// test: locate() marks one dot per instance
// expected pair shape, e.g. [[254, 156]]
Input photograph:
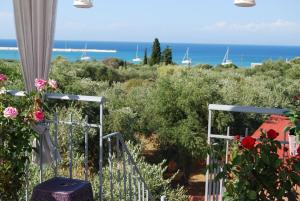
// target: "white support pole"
[[163, 198], [208, 156], [101, 153]]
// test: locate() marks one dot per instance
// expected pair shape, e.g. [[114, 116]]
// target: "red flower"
[[237, 137], [296, 98], [272, 134], [285, 149], [39, 115], [298, 150], [248, 142]]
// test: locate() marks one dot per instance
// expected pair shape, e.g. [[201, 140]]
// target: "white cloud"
[[277, 25]]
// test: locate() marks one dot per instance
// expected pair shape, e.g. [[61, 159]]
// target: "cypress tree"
[[167, 56], [145, 62], [156, 53]]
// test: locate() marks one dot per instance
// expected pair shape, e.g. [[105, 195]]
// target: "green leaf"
[[295, 177], [252, 195]]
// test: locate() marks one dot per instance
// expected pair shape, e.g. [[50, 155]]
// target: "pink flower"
[[38, 115], [10, 113], [3, 77], [53, 84], [40, 84]]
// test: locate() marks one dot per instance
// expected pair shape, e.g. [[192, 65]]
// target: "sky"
[[270, 22]]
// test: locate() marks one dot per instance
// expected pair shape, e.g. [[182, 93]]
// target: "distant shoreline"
[[62, 50], [172, 42], [212, 54]]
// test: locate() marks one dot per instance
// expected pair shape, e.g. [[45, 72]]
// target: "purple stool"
[[63, 189]]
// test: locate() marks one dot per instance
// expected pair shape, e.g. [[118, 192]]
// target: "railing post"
[[246, 132], [101, 153], [208, 156], [55, 143], [130, 179], [118, 167], [41, 157], [134, 183], [71, 147], [147, 195], [124, 167], [110, 170], [86, 149], [26, 177], [139, 190], [143, 191], [163, 198]]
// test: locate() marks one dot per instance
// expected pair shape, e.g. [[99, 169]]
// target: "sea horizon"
[[200, 53]]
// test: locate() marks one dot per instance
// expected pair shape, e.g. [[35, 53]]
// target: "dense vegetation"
[[171, 102]]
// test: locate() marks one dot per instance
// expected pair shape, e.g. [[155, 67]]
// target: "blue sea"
[[241, 55]]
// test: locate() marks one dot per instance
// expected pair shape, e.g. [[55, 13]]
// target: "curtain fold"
[[35, 25]]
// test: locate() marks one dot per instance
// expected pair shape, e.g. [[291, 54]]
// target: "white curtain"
[[35, 24]]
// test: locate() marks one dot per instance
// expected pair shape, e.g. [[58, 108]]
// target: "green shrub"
[[113, 62]]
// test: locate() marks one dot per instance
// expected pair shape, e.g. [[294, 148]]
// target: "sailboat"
[[83, 3], [137, 58], [67, 49], [226, 60], [186, 60], [84, 56]]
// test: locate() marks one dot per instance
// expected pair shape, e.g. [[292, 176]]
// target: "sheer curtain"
[[35, 24]]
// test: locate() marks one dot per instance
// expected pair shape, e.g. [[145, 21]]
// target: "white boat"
[[84, 56], [253, 65], [226, 60], [66, 49], [244, 3], [83, 3], [186, 59], [137, 58]]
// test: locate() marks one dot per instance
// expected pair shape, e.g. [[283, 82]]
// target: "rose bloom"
[[38, 115], [3, 77], [10, 113], [40, 84], [298, 150], [272, 134], [248, 142], [237, 137], [53, 84]]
